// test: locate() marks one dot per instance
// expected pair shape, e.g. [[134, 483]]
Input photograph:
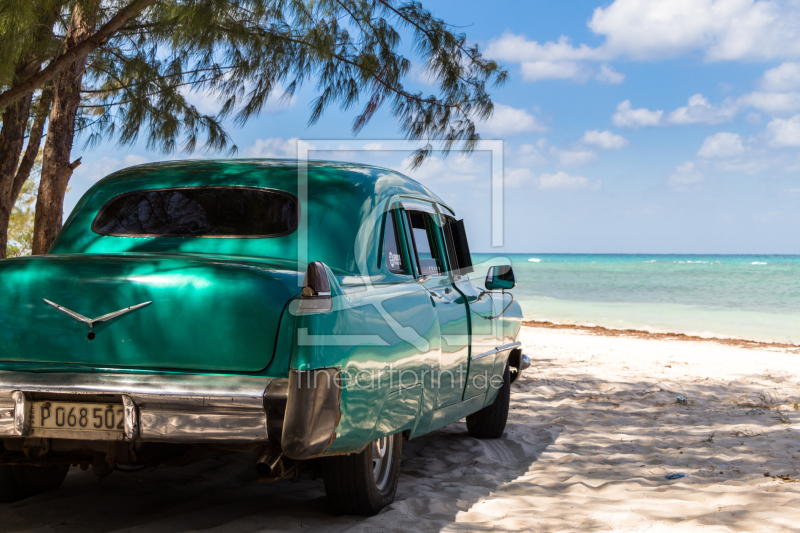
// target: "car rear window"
[[199, 212]]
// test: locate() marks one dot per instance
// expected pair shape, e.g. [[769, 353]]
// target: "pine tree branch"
[[372, 74], [99, 38], [151, 80]]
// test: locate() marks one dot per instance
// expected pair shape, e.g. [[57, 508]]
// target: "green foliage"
[[243, 51], [21, 33]]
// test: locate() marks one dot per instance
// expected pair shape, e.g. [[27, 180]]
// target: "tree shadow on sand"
[[579, 453], [442, 474]]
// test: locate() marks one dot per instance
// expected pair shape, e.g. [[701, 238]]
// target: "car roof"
[[340, 198], [280, 174]]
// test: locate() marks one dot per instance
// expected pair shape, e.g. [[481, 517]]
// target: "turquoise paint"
[[230, 305]]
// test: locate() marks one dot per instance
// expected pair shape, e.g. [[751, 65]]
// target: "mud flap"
[[312, 412]]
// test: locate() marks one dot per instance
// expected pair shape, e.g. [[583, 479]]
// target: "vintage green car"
[[314, 314]]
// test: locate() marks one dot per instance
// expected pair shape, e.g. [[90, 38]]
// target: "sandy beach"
[[594, 429]]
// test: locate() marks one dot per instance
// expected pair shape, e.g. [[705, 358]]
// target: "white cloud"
[[374, 147], [785, 77], [275, 147], [555, 70], [784, 132], [529, 154], [507, 120], [518, 177], [605, 139], [722, 29], [553, 60], [572, 158], [722, 145], [562, 180], [607, 74], [772, 103], [628, 117], [685, 174], [209, 102], [643, 30], [518, 48], [699, 111], [458, 168], [107, 165]]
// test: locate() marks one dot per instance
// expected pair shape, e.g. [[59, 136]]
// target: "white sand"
[[593, 431]]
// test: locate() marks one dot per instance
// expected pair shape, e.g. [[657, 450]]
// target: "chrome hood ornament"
[[92, 321]]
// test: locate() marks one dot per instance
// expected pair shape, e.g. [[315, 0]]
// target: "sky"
[[632, 126]]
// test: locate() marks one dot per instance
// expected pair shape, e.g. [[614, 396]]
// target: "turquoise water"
[[743, 296]]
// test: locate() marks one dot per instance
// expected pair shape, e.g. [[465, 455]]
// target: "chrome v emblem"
[[92, 321]]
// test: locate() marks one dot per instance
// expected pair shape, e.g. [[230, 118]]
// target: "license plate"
[[76, 416]]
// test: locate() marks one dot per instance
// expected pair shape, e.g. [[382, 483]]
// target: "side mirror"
[[500, 278]]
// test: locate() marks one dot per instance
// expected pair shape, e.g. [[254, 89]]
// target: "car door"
[[423, 223], [484, 337]]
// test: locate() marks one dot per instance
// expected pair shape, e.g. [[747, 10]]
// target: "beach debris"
[[754, 411], [745, 433], [784, 478], [681, 400], [677, 475], [783, 419], [710, 437]]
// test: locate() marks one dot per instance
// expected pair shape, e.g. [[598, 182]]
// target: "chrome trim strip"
[[131, 418], [484, 354], [157, 384], [508, 346], [77, 435], [197, 423], [499, 349], [92, 321], [157, 407], [7, 408], [417, 206], [22, 414]]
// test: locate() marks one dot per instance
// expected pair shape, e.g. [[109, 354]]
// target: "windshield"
[[199, 212]]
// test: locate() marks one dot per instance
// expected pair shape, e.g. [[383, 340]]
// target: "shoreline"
[[644, 334]]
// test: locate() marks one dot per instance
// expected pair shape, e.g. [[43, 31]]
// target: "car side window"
[[426, 249], [450, 244], [457, 247], [391, 245]]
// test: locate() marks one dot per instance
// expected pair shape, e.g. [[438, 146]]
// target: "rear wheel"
[[18, 482], [364, 483], [490, 422]]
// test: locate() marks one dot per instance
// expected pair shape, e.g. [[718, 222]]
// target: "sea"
[[755, 297]]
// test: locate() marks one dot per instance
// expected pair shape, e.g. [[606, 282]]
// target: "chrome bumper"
[[157, 407]]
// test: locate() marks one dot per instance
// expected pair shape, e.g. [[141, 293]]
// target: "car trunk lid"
[[205, 313]]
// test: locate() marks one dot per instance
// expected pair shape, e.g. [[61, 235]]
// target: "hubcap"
[[382, 452]]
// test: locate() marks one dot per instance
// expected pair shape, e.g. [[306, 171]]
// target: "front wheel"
[[18, 482], [364, 483], [490, 422]]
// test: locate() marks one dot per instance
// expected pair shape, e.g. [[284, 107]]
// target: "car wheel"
[[490, 422], [18, 482], [364, 483]]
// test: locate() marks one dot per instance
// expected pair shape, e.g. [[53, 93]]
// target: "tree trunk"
[[12, 137], [56, 166], [42, 109]]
